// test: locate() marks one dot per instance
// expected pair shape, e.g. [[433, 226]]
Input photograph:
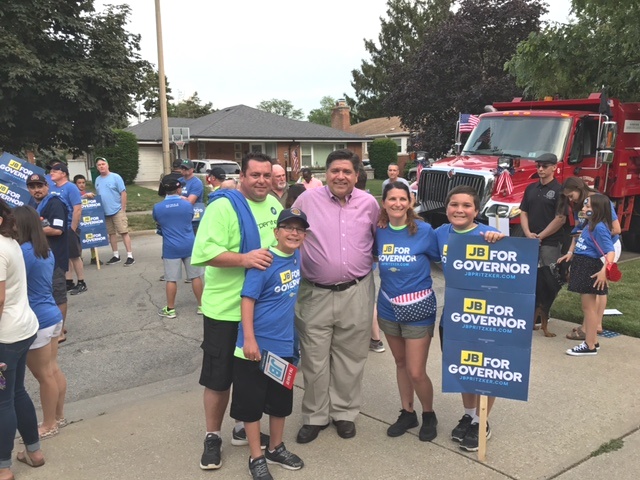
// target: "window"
[[202, 150], [399, 143], [256, 147]]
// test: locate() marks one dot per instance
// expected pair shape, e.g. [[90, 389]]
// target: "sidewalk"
[[575, 405]]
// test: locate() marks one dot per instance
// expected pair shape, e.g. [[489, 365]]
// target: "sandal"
[[62, 422], [576, 334], [49, 433], [25, 458]]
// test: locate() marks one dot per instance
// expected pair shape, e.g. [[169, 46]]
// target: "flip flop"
[[62, 422], [26, 459]]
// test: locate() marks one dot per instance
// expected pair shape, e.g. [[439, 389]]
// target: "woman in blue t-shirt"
[[405, 245], [588, 273], [42, 358], [576, 191]]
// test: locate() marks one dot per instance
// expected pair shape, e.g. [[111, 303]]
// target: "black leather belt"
[[339, 287]]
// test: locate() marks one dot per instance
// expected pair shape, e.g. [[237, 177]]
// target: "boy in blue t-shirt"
[[173, 215], [268, 302]]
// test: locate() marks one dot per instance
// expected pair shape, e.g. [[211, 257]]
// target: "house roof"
[[386, 126], [243, 123]]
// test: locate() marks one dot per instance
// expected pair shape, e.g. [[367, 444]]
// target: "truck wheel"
[[631, 242], [516, 231]]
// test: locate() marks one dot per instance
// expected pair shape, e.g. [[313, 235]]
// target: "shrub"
[[382, 152], [122, 154]]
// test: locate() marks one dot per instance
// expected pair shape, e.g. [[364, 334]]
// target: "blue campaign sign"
[[489, 317], [93, 231], [509, 265], [16, 170], [14, 195], [198, 211], [484, 369]]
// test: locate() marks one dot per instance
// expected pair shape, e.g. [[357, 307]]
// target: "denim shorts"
[[405, 330]]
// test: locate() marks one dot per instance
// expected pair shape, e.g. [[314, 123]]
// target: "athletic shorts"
[[45, 335], [218, 346], [254, 393], [173, 269], [75, 245], [59, 284], [117, 223], [405, 330]]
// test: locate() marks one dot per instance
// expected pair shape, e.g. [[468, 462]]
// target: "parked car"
[[231, 168]]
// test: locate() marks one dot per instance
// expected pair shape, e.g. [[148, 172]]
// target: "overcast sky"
[[246, 51]]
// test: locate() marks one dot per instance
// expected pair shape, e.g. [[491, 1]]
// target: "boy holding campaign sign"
[[462, 208], [268, 302]]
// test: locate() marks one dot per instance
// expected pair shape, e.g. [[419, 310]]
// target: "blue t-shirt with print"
[[404, 262], [70, 196], [275, 291], [110, 188], [193, 186], [174, 214], [586, 245], [443, 232], [40, 286]]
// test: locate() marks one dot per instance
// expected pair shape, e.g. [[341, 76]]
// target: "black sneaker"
[[458, 433], [211, 456], [582, 350], [283, 457], [95, 262], [259, 469], [70, 286], [79, 288], [239, 439], [405, 421], [113, 260], [470, 440], [130, 261], [428, 430]]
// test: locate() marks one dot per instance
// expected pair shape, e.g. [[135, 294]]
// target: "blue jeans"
[[16, 407]]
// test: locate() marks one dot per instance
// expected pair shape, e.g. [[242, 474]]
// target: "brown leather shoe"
[[346, 429], [308, 433]]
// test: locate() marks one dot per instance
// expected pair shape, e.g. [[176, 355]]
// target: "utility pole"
[[164, 121]]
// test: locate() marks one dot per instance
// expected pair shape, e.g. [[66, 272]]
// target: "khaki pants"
[[334, 329]]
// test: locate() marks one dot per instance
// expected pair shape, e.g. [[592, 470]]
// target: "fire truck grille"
[[434, 186]]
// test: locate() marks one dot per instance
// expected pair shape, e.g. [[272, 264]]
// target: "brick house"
[[385, 127], [229, 133]]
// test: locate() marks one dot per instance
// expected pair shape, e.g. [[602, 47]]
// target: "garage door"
[[150, 164]]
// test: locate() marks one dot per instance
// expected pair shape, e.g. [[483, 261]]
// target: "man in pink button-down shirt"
[[308, 180], [335, 301]]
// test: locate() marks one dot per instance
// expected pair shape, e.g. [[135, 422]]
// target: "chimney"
[[341, 116]]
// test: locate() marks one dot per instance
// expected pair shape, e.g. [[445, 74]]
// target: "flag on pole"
[[468, 122], [422, 162], [296, 160]]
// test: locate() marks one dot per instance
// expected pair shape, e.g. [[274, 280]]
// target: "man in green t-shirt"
[[217, 246]]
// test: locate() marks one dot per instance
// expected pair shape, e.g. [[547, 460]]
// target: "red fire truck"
[[595, 138]]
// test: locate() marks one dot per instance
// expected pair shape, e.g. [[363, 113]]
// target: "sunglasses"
[[544, 165]]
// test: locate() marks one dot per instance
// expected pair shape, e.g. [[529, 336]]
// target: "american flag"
[[422, 162], [468, 122], [296, 160]]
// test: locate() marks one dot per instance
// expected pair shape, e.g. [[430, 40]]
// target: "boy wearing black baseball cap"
[[268, 302]]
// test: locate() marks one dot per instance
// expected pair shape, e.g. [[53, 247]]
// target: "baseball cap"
[[218, 173], [62, 167], [293, 213], [176, 164], [36, 178], [547, 158], [186, 164], [171, 184]]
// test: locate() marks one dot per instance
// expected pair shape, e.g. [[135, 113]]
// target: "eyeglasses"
[[544, 165], [290, 229]]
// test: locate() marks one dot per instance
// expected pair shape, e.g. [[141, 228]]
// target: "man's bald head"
[[278, 178]]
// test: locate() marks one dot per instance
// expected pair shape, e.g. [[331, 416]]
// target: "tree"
[[382, 152], [400, 33], [607, 35], [281, 107], [67, 73], [149, 97], [322, 115], [459, 68], [191, 108], [122, 154]]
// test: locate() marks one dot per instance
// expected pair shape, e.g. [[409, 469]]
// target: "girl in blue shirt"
[[42, 358], [588, 273], [405, 246]]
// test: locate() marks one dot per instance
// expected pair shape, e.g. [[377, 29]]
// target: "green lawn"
[[622, 296], [141, 199], [141, 222]]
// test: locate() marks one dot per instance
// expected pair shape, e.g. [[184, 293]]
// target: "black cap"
[[176, 164], [218, 173], [547, 158], [293, 213], [171, 184], [36, 178], [186, 164], [62, 167]]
